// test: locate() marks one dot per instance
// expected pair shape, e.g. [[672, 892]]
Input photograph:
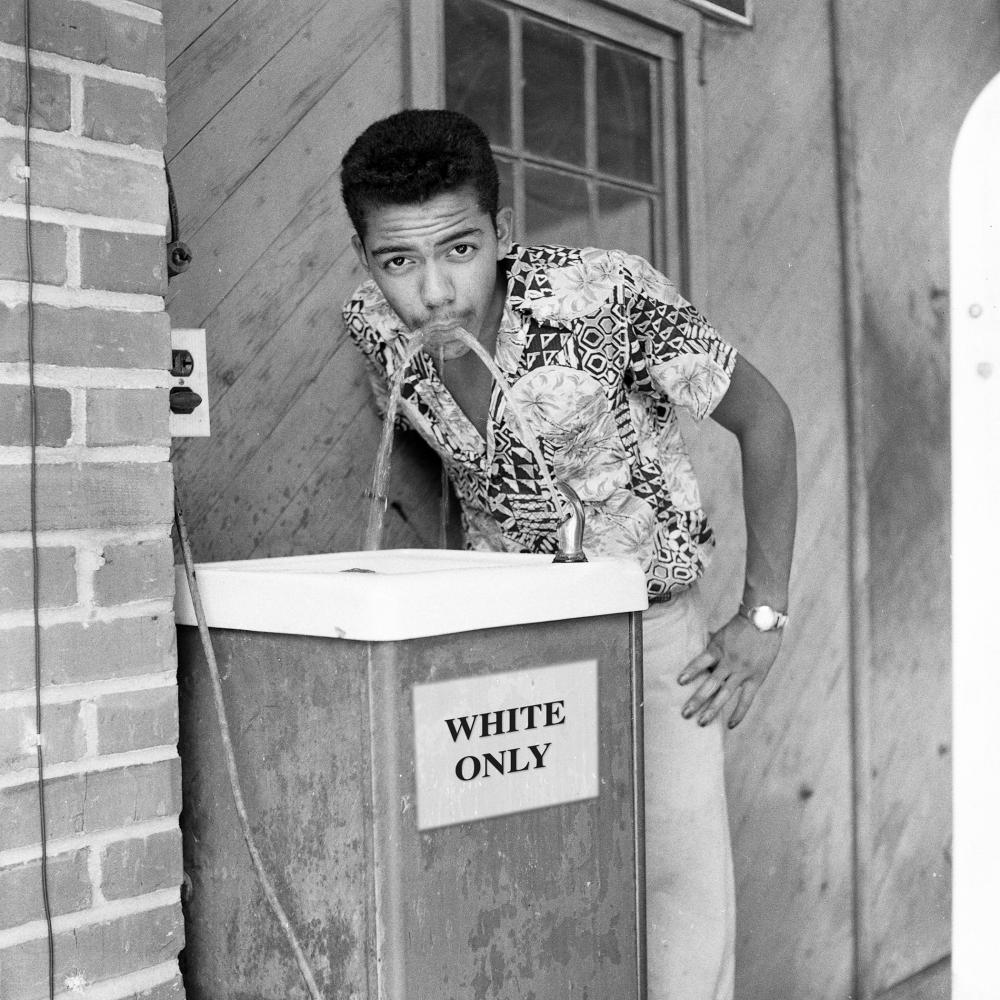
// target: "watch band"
[[764, 618]]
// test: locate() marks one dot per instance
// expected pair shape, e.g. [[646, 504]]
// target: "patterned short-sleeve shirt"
[[598, 350]]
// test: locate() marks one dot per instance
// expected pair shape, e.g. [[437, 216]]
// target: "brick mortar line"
[[67, 217], [133, 906], [97, 841], [127, 987], [95, 869], [89, 560], [137, 10], [14, 293], [91, 736], [81, 537], [68, 65], [79, 615], [76, 69], [78, 417], [92, 765], [67, 377], [74, 264], [81, 454], [63, 694], [76, 104], [148, 156]]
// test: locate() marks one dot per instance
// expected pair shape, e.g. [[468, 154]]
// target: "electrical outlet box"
[[188, 384]]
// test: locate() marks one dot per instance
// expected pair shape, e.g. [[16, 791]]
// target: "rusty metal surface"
[[540, 903], [302, 751], [638, 793]]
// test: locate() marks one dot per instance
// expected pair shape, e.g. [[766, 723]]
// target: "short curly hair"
[[412, 156]]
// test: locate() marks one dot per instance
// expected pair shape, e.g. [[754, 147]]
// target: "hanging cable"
[[33, 502], [230, 757]]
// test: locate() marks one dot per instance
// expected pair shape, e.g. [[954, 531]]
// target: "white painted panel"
[[197, 423], [504, 743], [975, 357], [397, 594]]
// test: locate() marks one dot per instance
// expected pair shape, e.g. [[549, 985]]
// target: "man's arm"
[[738, 657]]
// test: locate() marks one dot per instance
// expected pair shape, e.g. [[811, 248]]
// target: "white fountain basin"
[[406, 593]]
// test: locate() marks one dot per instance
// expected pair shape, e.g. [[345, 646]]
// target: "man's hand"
[[733, 664]]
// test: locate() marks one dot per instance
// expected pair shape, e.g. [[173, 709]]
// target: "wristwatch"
[[764, 618]]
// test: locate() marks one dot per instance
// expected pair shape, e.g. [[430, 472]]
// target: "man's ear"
[[359, 250], [505, 230]]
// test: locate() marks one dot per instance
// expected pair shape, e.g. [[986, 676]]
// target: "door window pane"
[[477, 60], [556, 208], [736, 10], [554, 108], [624, 115], [576, 124], [506, 171], [625, 220]]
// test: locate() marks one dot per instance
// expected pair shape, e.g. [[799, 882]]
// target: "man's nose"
[[436, 289]]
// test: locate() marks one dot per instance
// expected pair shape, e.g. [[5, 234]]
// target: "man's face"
[[436, 265]]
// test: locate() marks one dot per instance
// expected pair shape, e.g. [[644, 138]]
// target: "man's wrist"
[[775, 596], [764, 617]]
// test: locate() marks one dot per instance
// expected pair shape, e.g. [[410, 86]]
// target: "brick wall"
[[109, 723]]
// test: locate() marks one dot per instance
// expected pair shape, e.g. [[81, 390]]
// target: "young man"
[[599, 350]]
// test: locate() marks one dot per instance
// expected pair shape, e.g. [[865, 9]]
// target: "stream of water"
[[380, 477]]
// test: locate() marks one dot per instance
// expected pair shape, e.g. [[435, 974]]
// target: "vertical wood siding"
[[774, 289], [907, 111], [909, 80]]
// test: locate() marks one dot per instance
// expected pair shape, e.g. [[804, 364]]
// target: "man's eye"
[[394, 263], [463, 249]]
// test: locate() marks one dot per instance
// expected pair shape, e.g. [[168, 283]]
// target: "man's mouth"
[[441, 326], [445, 337], [440, 334]]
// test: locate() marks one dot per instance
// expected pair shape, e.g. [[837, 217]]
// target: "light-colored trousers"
[[690, 904]]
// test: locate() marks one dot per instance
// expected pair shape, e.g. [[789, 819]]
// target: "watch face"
[[764, 618]]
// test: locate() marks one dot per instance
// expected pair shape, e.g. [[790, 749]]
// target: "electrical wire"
[[230, 756], [33, 502]]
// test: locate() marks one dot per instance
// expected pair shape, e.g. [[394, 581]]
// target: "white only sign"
[[505, 743]]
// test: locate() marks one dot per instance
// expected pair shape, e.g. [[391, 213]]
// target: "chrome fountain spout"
[[570, 531]]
